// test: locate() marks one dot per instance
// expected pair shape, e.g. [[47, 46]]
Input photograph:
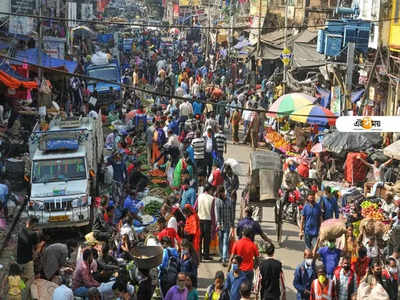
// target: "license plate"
[[59, 218]]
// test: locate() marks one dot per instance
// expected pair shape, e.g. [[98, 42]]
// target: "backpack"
[[170, 273]]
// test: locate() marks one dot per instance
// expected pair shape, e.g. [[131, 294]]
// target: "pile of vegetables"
[[371, 210], [152, 208]]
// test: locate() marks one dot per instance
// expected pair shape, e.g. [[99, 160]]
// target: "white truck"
[[64, 164]]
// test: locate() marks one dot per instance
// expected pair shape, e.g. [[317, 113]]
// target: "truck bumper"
[[77, 217]]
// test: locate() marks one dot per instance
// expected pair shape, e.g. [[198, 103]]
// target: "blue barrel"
[[321, 41]]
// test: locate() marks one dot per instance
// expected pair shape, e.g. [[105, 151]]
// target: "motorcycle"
[[293, 206]]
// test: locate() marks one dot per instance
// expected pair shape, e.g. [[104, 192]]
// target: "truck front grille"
[[58, 205]]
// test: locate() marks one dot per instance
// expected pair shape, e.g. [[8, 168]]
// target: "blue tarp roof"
[[31, 56], [7, 69], [4, 45]]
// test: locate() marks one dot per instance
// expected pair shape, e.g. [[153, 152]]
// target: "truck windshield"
[[58, 170], [107, 73]]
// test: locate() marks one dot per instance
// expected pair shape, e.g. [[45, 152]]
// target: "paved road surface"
[[291, 251]]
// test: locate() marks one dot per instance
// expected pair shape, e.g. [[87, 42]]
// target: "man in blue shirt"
[[328, 203], [249, 222], [188, 194], [132, 205], [304, 276], [310, 221], [235, 278], [4, 198], [330, 256]]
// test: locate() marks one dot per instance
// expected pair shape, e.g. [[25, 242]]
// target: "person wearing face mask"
[[322, 287], [178, 291], [235, 278], [304, 276], [390, 279], [345, 280], [330, 256], [189, 261], [361, 264]]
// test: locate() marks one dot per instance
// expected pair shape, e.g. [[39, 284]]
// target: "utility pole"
[[349, 75], [208, 30], [285, 67], [40, 47], [259, 39]]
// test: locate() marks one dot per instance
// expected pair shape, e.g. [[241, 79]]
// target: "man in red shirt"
[[169, 232], [248, 250]]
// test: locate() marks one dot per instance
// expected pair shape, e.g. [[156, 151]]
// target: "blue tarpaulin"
[[355, 96], [31, 56], [325, 96], [4, 45], [104, 38]]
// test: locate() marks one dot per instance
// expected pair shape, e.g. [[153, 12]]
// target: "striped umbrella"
[[288, 103], [314, 114]]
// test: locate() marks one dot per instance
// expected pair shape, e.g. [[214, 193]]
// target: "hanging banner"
[[87, 11], [22, 25], [189, 2], [255, 6], [176, 11], [336, 99], [72, 12], [54, 46]]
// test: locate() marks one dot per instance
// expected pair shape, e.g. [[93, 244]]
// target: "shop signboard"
[[19, 24], [54, 46], [336, 99]]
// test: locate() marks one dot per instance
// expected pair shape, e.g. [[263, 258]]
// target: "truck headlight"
[[75, 203]]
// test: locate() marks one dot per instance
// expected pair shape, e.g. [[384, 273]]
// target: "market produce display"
[[277, 140], [371, 210], [152, 208]]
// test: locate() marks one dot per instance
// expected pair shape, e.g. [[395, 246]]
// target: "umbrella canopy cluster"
[[302, 108]]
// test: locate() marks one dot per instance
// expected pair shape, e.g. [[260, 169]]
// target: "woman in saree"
[[192, 226]]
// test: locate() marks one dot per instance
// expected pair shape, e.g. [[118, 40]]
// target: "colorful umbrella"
[[318, 148], [288, 103], [314, 114]]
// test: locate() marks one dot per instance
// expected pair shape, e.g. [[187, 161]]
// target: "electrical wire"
[[56, 19], [85, 77]]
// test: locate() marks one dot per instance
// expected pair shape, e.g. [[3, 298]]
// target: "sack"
[[170, 274], [367, 226], [380, 229], [332, 229]]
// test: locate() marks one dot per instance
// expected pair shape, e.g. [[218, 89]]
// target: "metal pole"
[[349, 75], [285, 46], [40, 46], [259, 39]]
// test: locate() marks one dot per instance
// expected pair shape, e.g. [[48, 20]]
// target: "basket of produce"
[[370, 210], [332, 229], [153, 208], [157, 173], [147, 257]]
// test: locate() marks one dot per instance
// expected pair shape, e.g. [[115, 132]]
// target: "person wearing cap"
[[322, 287]]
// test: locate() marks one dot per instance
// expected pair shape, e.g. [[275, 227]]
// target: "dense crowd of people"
[[184, 134]]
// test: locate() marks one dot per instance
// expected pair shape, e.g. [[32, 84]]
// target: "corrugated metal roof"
[[306, 36]]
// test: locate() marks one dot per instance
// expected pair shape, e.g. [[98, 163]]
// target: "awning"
[[306, 55], [31, 56], [306, 36], [270, 52], [13, 80]]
